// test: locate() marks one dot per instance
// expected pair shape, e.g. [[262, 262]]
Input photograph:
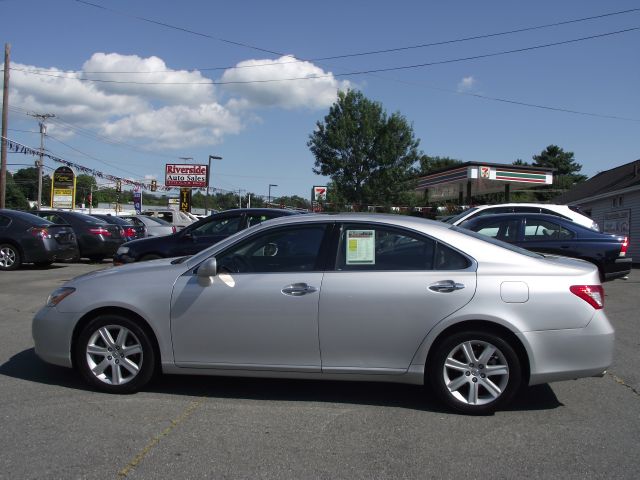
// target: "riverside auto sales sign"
[[181, 175]]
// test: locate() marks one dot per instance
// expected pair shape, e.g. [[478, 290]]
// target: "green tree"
[[566, 175], [431, 164], [370, 156], [14, 197], [85, 184], [26, 179]]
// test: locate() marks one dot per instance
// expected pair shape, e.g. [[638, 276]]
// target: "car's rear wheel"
[[114, 354], [9, 257], [475, 372]]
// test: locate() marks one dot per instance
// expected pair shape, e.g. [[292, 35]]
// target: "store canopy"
[[470, 179]]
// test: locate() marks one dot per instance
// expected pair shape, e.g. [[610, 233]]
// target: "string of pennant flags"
[[16, 147]]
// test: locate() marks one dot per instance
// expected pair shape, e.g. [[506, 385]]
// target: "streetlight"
[[211, 157], [269, 198]]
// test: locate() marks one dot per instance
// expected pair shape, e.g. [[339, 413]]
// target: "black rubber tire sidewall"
[[439, 356], [149, 358]]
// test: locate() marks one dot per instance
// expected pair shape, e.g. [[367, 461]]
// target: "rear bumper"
[[569, 354], [620, 268]]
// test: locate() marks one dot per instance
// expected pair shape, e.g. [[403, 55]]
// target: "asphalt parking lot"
[[208, 427]]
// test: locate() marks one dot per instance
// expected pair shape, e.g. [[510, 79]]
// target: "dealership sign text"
[[181, 175]]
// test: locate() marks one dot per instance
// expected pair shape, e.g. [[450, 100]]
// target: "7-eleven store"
[[470, 179]]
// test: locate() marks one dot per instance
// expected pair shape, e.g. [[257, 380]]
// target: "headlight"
[[122, 250], [58, 295]]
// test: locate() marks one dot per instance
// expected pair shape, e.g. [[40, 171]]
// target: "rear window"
[[455, 218], [497, 242]]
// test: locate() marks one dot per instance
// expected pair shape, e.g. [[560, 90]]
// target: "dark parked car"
[[97, 239], [26, 238], [197, 236], [549, 234], [128, 229]]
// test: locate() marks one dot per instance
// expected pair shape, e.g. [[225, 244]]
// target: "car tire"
[[474, 372], [150, 256], [10, 258], [114, 354]]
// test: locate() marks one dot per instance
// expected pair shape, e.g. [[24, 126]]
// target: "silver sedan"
[[349, 297]]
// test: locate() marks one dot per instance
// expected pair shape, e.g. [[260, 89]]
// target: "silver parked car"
[[351, 297], [156, 227]]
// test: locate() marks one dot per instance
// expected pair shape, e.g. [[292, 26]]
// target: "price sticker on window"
[[361, 247]]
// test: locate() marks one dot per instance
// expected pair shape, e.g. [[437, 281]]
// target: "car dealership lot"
[[193, 427]]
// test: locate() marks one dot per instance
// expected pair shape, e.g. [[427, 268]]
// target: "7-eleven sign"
[[319, 194]]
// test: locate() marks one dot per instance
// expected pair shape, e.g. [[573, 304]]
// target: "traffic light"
[[118, 186], [154, 185]]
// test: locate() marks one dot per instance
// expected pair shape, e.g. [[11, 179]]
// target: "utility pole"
[[240, 198], [206, 206], [42, 117], [5, 111]]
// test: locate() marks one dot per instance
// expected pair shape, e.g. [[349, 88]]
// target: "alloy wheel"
[[476, 372], [114, 354]]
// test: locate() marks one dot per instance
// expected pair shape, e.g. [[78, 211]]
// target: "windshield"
[[455, 218], [499, 243]]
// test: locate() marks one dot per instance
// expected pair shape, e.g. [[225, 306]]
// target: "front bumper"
[[52, 332], [569, 354]]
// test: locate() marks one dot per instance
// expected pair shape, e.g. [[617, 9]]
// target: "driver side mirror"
[[208, 269]]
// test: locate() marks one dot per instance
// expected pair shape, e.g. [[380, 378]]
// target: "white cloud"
[[156, 80], [466, 84], [176, 108], [175, 126], [318, 92], [156, 116]]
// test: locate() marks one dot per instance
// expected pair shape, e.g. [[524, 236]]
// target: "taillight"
[[40, 232], [625, 245], [100, 231], [173, 228], [129, 232], [592, 294]]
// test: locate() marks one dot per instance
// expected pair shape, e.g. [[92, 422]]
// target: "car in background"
[[26, 238], [174, 217], [550, 234], [97, 239], [563, 211], [339, 297], [129, 230], [155, 227], [197, 236]]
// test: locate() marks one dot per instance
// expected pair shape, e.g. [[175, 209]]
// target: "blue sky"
[[261, 129]]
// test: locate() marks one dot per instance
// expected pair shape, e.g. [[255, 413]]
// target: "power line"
[[181, 29], [360, 72], [356, 54], [92, 157]]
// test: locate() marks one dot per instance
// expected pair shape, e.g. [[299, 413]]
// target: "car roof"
[[24, 216]]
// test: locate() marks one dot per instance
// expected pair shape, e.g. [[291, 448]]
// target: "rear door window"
[[536, 230], [364, 247]]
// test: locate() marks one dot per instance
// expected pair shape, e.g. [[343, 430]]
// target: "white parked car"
[[174, 217], [563, 211]]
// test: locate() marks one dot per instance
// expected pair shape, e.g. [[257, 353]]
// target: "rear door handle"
[[298, 289], [446, 286]]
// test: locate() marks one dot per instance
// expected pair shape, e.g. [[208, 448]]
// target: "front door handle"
[[446, 286], [298, 289]]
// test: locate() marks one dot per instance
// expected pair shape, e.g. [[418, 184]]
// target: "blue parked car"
[[549, 234]]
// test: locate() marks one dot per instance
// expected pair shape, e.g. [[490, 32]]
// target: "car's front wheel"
[[475, 372], [114, 354]]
